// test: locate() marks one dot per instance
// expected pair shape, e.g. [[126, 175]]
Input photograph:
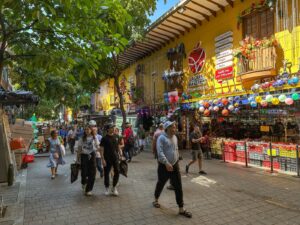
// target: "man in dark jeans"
[[168, 166], [109, 150], [129, 142]]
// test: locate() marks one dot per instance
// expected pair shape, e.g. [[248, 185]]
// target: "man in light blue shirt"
[[168, 166]]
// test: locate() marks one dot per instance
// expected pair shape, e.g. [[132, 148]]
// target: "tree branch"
[[22, 29]]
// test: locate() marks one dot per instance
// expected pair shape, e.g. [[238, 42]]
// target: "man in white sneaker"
[[109, 150]]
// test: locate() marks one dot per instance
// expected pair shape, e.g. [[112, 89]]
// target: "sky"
[[162, 8]]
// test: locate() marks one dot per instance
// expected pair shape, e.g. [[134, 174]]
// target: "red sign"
[[196, 59], [225, 73]]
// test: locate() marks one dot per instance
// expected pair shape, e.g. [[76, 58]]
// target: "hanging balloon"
[[225, 112], [255, 87], [206, 104], [211, 102], [201, 102], [280, 83], [295, 96], [258, 99], [216, 108], [251, 99], [237, 98], [282, 98], [295, 80], [289, 101], [176, 98], [236, 110], [269, 98], [230, 99], [224, 101], [264, 103], [236, 104], [210, 108], [231, 108], [215, 101], [275, 101], [253, 104], [201, 109], [206, 112], [220, 105], [265, 85]]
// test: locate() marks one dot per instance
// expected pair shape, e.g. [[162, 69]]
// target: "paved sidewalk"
[[229, 194], [13, 198]]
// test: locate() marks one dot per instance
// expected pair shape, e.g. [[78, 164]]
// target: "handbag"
[[74, 172], [123, 168], [62, 150]]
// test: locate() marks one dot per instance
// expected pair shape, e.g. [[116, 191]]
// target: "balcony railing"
[[261, 59]]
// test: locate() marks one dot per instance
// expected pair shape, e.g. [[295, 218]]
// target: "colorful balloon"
[[225, 112], [282, 98], [206, 104], [224, 101], [216, 108], [206, 112], [269, 98], [264, 103], [275, 101], [236, 104], [295, 96], [253, 104], [201, 109], [231, 108], [258, 99], [289, 101]]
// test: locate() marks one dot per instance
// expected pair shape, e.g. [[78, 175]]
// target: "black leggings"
[[175, 178], [88, 170]]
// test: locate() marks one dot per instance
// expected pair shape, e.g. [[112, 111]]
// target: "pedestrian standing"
[[72, 138], [109, 149], [129, 142], [87, 147], [197, 154], [168, 166], [56, 156], [141, 136]]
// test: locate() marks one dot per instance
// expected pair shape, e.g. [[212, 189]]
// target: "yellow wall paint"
[[206, 33], [103, 99]]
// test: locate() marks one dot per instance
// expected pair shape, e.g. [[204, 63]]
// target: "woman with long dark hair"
[[87, 147]]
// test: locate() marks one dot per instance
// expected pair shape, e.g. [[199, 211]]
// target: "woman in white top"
[[87, 147]]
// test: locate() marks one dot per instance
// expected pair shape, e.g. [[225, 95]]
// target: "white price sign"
[[224, 59], [224, 53], [222, 36], [224, 42], [224, 47], [223, 65]]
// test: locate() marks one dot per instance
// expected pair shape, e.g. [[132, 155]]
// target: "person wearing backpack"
[[129, 141]]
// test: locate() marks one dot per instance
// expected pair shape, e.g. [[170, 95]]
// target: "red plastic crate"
[[230, 156], [276, 165], [28, 158]]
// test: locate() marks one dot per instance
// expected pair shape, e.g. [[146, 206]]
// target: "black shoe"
[[171, 187], [202, 172], [186, 169]]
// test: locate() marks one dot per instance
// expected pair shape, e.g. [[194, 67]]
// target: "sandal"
[[186, 214], [156, 204]]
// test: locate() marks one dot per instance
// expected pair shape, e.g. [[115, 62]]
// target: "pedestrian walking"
[[56, 156], [156, 134], [197, 154], [72, 138], [63, 133], [100, 168], [168, 166], [129, 142], [141, 137], [109, 149], [87, 147]]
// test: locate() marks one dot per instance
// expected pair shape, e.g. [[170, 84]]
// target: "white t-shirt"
[[88, 146]]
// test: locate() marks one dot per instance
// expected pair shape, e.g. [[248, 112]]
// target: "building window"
[[259, 24]]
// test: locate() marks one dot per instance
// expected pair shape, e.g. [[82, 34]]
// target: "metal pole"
[[246, 158], [271, 158], [297, 161], [223, 151]]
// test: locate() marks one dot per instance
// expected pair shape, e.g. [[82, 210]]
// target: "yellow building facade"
[[224, 22]]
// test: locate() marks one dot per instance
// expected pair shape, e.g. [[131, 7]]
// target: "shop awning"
[[17, 97], [176, 22]]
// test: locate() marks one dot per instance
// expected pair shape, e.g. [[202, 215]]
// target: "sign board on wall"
[[196, 80], [224, 56]]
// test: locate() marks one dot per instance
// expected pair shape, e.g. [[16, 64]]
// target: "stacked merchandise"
[[255, 151], [216, 149], [287, 157], [240, 151], [275, 155], [230, 150]]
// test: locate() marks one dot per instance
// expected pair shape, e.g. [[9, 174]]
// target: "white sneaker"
[[106, 191], [89, 193], [52, 177], [83, 187], [114, 191]]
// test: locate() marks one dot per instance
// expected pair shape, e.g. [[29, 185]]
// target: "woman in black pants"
[[87, 147]]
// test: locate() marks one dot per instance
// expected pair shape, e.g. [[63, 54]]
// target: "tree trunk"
[[121, 99]]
